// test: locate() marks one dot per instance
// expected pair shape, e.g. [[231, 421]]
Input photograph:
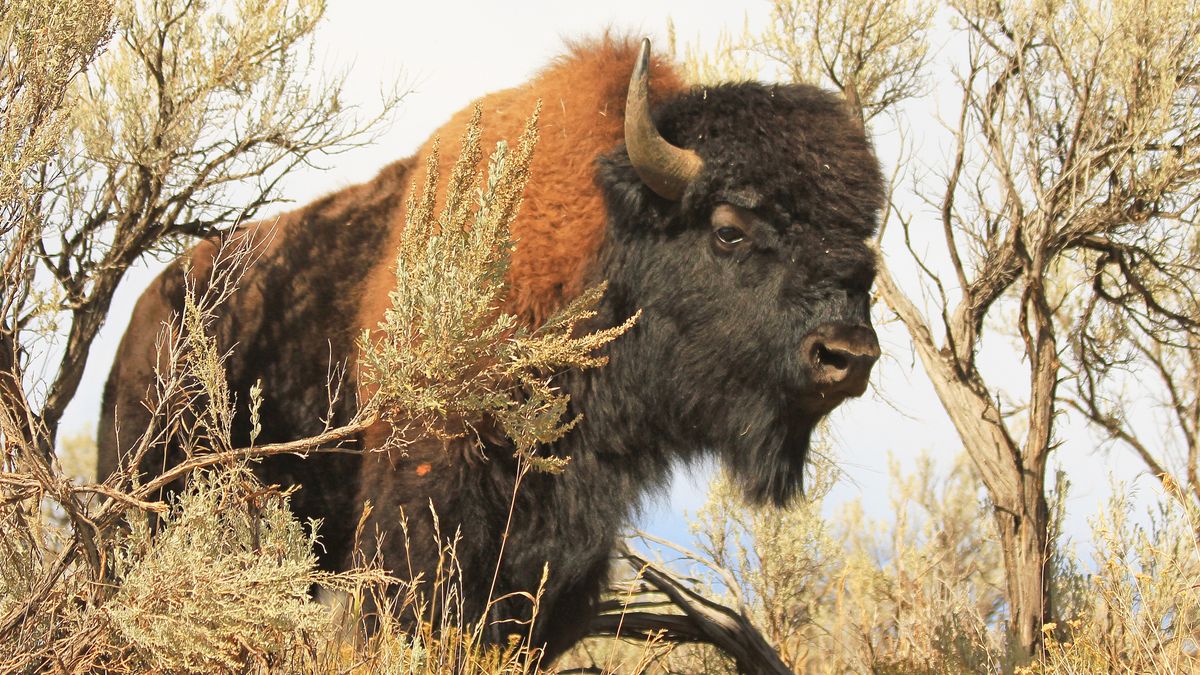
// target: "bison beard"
[[753, 276]]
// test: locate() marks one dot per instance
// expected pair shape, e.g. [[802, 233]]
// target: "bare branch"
[[702, 621]]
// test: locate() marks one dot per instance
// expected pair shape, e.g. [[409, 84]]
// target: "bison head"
[[739, 220]]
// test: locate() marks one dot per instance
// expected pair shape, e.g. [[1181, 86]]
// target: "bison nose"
[[840, 357]]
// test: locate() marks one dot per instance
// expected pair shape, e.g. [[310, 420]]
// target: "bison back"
[[290, 323]]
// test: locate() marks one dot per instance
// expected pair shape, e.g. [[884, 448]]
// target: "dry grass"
[[1139, 610]]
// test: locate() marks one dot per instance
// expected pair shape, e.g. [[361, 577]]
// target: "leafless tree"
[[1076, 154], [1063, 220]]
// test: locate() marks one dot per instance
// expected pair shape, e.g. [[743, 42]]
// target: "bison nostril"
[[830, 358], [840, 358]]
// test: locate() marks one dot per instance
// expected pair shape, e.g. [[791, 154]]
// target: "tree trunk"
[[1024, 537], [1013, 476]]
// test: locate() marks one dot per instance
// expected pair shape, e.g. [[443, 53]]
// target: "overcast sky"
[[448, 53]]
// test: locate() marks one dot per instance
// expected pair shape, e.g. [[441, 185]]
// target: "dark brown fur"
[[287, 325]]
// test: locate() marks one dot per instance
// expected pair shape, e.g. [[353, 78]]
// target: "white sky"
[[450, 52]]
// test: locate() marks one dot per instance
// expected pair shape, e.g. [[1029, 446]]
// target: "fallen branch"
[[702, 620]]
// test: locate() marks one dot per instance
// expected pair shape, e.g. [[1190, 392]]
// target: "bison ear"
[[663, 167]]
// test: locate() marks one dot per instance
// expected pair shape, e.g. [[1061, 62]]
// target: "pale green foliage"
[[44, 45], [212, 96], [875, 51], [227, 579], [205, 366], [35, 75], [446, 357], [1124, 76], [1120, 77]]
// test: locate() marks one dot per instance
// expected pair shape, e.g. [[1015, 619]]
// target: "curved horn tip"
[[642, 66], [664, 168]]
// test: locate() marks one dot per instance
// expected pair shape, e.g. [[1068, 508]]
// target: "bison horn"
[[664, 168]]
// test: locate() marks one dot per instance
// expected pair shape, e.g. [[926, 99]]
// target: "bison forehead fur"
[[743, 346]]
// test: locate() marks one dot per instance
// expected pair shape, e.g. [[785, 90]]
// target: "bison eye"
[[728, 237], [730, 228]]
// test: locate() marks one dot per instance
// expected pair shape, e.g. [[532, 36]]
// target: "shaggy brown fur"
[[732, 356], [281, 326], [337, 249], [561, 223]]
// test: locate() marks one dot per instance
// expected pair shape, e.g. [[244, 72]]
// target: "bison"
[[735, 217]]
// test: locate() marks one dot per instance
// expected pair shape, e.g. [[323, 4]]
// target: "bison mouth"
[[766, 431], [813, 404]]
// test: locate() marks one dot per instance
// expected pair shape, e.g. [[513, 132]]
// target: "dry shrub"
[[225, 582], [1140, 610], [923, 594], [445, 358], [224, 585]]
